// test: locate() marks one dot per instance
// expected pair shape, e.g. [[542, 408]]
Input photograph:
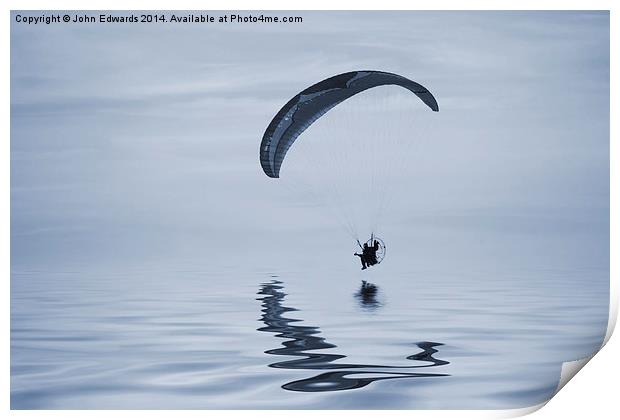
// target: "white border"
[[593, 384]]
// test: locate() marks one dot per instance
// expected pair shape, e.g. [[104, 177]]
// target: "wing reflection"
[[302, 340]]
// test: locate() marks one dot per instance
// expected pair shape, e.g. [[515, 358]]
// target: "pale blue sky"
[[135, 142]]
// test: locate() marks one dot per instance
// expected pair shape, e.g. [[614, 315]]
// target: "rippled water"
[[232, 339]]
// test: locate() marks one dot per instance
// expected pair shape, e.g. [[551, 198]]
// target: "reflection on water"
[[367, 296], [188, 340], [304, 340]]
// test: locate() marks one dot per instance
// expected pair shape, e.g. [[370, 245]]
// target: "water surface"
[[231, 339]]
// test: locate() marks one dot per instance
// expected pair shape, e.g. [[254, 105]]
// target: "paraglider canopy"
[[344, 180], [310, 104]]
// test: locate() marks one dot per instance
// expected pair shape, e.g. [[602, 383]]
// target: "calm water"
[[225, 338]]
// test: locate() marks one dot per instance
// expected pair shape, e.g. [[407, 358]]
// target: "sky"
[[136, 143]]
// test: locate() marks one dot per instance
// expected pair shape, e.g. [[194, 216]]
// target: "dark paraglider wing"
[[309, 105]]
